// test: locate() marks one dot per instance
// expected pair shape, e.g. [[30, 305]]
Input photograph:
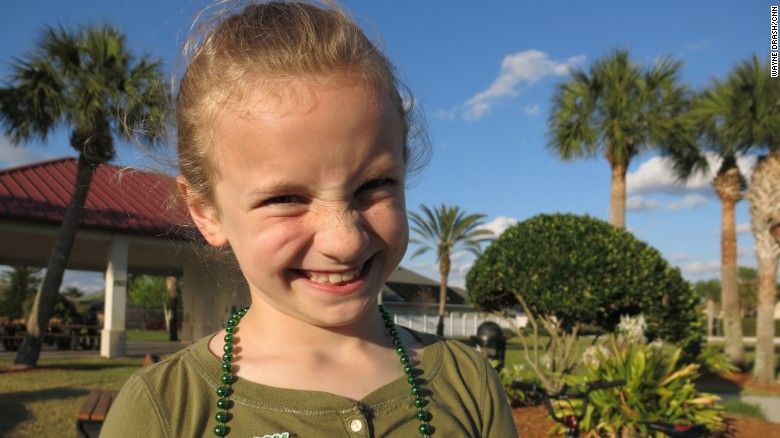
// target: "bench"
[[93, 412]]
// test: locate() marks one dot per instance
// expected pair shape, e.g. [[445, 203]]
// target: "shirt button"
[[356, 425]]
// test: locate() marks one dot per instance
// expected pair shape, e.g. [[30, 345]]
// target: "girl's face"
[[310, 195]]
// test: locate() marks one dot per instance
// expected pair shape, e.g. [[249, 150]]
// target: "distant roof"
[[123, 200], [408, 286]]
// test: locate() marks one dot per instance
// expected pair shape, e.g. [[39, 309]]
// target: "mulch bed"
[[533, 422]]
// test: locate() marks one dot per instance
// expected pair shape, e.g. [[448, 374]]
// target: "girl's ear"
[[203, 214]]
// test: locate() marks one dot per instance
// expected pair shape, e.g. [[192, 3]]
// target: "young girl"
[[293, 148]]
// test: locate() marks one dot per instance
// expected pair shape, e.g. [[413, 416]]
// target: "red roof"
[[121, 200]]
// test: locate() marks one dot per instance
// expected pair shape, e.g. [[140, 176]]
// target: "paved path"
[[769, 405], [747, 340]]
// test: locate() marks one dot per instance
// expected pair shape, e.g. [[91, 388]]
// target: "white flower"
[[632, 329], [593, 355]]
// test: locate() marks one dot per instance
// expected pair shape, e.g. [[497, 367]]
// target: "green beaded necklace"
[[228, 378]]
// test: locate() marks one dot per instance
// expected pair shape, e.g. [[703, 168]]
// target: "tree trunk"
[[764, 366], [171, 317], [444, 271], [710, 309], [764, 199], [43, 306], [732, 320], [617, 201]]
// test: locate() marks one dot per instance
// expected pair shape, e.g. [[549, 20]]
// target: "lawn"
[[43, 402], [147, 335]]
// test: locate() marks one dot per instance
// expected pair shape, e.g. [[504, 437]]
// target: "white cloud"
[[499, 225], [655, 175], [688, 201], [519, 68], [446, 115], [699, 45], [639, 203], [12, 155], [531, 109], [702, 269], [744, 228], [676, 258]]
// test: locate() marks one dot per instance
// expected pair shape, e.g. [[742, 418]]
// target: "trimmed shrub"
[[583, 270]]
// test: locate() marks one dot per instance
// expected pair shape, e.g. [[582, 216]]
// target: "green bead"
[[222, 416], [422, 415], [404, 359], [408, 370], [228, 338], [227, 366], [220, 430], [228, 348], [227, 378], [243, 311], [419, 402], [227, 357], [424, 429], [389, 324], [393, 332], [397, 343], [230, 329], [411, 379], [223, 391], [400, 350], [415, 391], [223, 403]]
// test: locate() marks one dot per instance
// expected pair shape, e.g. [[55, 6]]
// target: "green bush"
[[658, 388], [585, 271]]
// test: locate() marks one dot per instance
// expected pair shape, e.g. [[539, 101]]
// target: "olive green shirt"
[[177, 398]]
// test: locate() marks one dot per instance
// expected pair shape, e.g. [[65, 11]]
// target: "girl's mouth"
[[336, 281]]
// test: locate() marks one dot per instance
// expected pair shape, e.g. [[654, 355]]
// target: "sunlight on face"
[[311, 195]]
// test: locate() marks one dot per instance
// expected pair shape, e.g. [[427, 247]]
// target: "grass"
[[43, 402], [147, 335], [737, 406]]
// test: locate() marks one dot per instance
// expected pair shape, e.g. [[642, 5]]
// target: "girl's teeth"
[[333, 278]]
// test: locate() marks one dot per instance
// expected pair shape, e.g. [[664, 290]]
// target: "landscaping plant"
[[658, 386]]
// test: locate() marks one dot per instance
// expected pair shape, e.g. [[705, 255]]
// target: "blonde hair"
[[269, 40]]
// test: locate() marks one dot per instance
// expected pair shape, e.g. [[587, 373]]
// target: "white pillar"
[[113, 338]]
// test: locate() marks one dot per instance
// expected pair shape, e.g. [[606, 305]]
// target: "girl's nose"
[[342, 236]]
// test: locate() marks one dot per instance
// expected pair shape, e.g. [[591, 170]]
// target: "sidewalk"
[[747, 340], [769, 405]]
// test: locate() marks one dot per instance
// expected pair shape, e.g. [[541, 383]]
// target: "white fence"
[[456, 323]]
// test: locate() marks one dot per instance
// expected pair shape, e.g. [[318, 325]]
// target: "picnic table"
[[65, 336]]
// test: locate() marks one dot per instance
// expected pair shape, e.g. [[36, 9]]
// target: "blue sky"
[[483, 74]]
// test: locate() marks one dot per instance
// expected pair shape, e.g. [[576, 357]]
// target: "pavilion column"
[[113, 337]]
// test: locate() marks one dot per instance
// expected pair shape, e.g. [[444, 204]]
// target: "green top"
[[176, 398]]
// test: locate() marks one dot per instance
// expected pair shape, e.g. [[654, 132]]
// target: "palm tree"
[[760, 110], [617, 109], [88, 81], [447, 229], [713, 118]]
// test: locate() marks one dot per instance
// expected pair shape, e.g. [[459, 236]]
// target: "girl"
[[293, 149]]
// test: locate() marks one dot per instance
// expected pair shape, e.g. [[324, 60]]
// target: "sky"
[[482, 75]]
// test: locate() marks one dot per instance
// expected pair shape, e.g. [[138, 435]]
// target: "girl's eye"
[[283, 199], [377, 184]]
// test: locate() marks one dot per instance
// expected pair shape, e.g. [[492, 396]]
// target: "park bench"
[[93, 412]]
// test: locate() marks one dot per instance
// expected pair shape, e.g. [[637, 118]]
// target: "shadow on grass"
[[718, 384], [12, 404], [97, 366]]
